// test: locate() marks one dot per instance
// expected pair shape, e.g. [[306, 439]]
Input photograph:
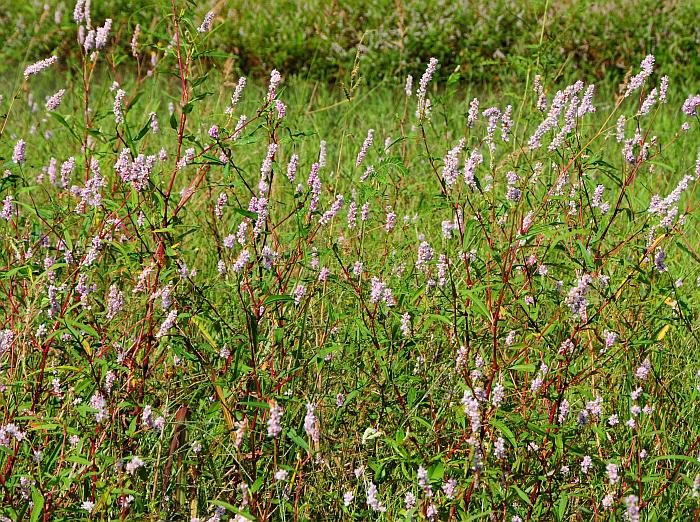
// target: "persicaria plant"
[[474, 308]]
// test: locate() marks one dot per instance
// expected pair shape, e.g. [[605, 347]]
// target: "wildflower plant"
[[209, 312]]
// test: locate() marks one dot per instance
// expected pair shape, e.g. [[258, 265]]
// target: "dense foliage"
[[233, 299], [491, 42]]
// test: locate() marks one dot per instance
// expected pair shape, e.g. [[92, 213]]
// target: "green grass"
[[240, 341], [491, 44]]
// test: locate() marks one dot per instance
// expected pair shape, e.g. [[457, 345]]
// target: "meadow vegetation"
[[349, 261]]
